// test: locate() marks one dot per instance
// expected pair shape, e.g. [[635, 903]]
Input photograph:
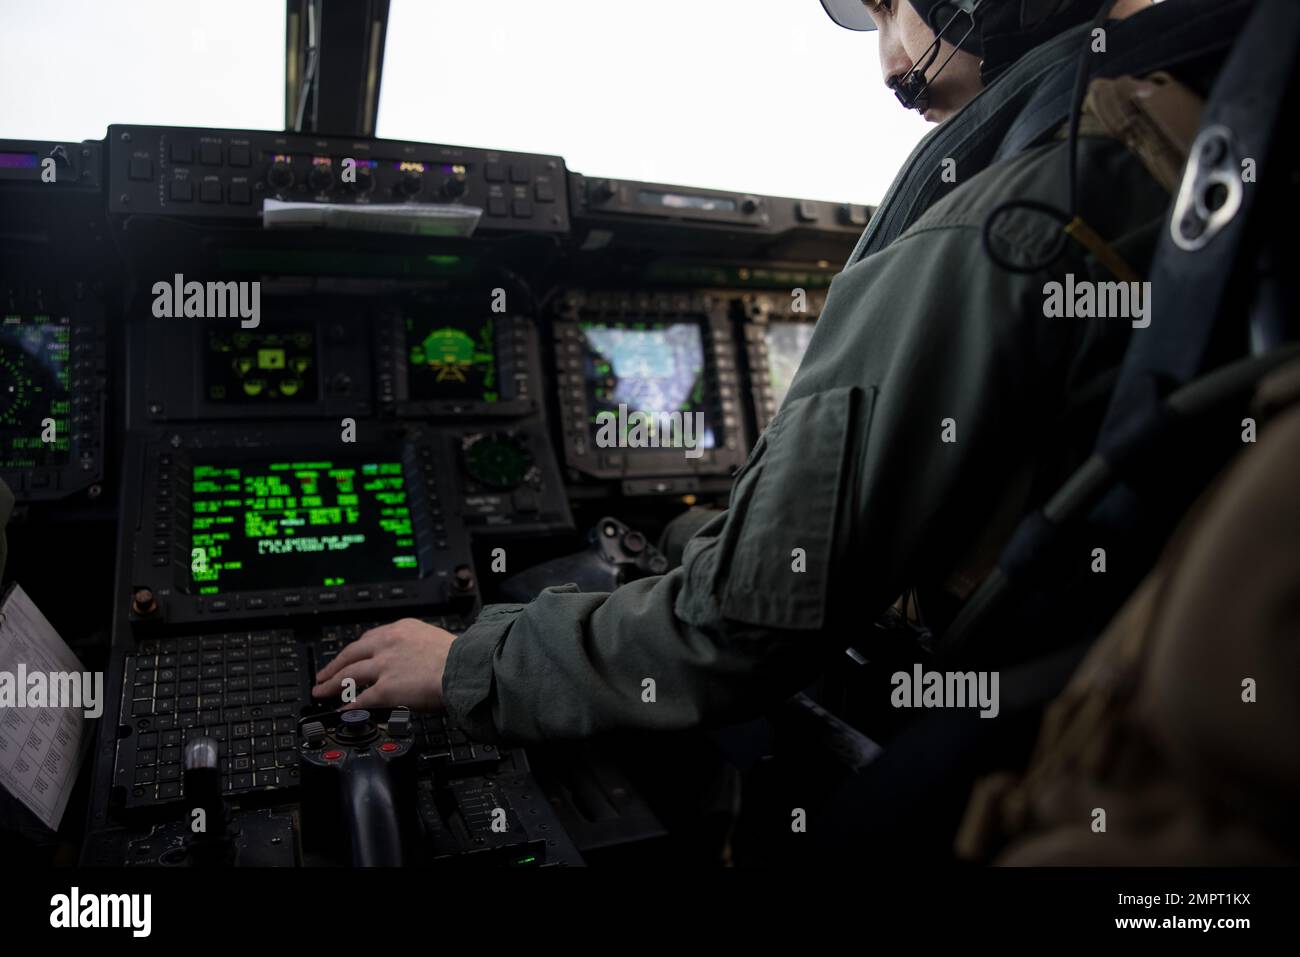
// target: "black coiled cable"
[[1066, 217]]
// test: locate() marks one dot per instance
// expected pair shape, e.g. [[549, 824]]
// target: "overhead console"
[[704, 222], [67, 167], [228, 175]]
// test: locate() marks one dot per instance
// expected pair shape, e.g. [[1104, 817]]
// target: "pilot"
[[936, 404]]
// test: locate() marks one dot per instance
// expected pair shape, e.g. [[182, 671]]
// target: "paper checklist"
[[41, 743]]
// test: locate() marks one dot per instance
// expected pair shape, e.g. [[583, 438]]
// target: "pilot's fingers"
[[376, 696], [361, 673], [363, 647]]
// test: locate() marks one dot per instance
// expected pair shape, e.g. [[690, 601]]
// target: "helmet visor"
[[850, 14]]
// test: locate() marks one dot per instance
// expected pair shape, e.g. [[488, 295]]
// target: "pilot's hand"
[[402, 663]]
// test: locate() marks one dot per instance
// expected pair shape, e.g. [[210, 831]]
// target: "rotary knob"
[[365, 180], [410, 183], [143, 602], [280, 175], [320, 178], [453, 187]]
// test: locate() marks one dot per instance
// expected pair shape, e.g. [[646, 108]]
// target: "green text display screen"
[[299, 524]]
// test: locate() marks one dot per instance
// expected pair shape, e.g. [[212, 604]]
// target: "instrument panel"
[[648, 384], [230, 175], [293, 434], [777, 331], [287, 521], [455, 354], [656, 377], [52, 366]]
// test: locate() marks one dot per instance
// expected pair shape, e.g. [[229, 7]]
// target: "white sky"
[[762, 96], [68, 68]]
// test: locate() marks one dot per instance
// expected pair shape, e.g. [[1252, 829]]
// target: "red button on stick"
[[388, 746], [332, 755]]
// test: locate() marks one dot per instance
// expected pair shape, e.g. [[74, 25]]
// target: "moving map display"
[[35, 403], [786, 344], [654, 368]]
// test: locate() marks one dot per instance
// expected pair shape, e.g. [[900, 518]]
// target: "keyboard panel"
[[246, 689], [440, 744]]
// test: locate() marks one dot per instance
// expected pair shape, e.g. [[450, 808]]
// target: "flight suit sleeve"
[[851, 489], [733, 626], [927, 380]]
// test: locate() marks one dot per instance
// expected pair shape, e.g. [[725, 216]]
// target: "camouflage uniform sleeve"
[[852, 492], [732, 627]]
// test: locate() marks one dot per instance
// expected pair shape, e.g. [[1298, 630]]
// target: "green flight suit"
[[852, 494]]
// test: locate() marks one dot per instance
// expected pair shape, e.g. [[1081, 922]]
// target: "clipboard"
[[42, 744]]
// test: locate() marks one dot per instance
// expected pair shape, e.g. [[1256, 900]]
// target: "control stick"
[[355, 765], [616, 554]]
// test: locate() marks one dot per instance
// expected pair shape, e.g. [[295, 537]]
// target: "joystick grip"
[[616, 555], [370, 813], [359, 785]]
